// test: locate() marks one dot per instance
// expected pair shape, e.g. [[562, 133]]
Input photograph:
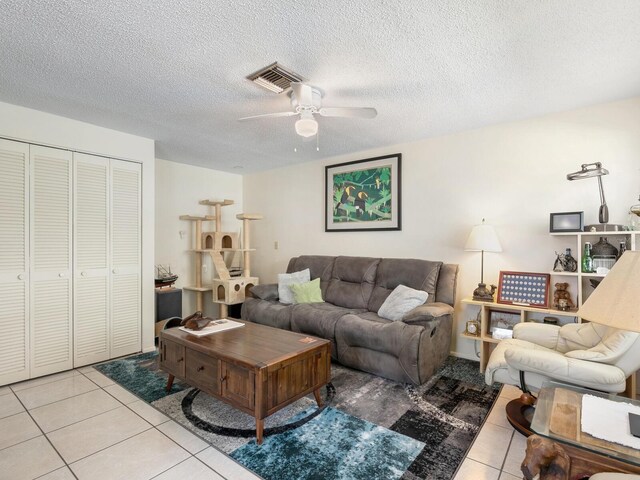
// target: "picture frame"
[[364, 195], [562, 222], [504, 319], [524, 288]]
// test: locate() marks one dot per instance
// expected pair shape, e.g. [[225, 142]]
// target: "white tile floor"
[[80, 425], [498, 450]]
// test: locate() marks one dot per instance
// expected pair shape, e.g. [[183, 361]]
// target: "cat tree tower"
[[226, 289]]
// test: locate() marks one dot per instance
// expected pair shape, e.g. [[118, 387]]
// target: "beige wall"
[[512, 174], [179, 188]]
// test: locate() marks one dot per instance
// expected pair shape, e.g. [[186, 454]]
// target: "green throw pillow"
[[308, 292]]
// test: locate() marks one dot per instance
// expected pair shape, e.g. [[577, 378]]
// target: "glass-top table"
[[558, 416]]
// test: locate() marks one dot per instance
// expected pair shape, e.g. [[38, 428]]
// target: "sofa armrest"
[[428, 312], [266, 291], [539, 333], [580, 336], [570, 370]]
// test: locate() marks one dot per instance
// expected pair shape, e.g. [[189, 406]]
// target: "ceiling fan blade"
[[268, 115], [302, 93], [351, 112]]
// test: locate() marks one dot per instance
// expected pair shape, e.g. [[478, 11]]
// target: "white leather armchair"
[[587, 354]]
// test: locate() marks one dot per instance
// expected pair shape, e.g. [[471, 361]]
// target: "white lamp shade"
[[616, 301], [483, 237]]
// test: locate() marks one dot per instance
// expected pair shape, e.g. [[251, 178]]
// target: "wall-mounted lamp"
[[588, 170]]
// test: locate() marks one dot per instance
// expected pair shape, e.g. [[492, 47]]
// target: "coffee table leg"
[[170, 382], [259, 429], [318, 395]]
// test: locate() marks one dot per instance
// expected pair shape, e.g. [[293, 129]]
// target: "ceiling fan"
[[306, 102]]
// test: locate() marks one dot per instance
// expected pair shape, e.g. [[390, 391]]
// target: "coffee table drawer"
[[238, 385], [203, 371], [172, 358]]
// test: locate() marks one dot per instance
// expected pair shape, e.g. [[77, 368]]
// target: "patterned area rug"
[[369, 428]]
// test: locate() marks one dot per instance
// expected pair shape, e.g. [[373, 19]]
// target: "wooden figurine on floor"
[[545, 458]]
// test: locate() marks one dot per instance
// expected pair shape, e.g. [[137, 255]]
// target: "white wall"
[[27, 125], [179, 188], [512, 174]]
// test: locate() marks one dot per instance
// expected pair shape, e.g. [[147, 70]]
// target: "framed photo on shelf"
[[363, 195], [524, 288], [503, 319], [566, 222]]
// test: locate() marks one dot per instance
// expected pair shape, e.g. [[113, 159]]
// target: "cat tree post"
[[246, 248], [198, 287]]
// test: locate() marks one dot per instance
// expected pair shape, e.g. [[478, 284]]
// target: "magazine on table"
[[213, 327]]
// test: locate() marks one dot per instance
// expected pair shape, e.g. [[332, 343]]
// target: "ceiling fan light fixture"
[[307, 125]]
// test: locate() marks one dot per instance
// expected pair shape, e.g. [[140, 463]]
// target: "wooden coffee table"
[[255, 368]]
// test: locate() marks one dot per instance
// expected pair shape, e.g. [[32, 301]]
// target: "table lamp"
[[615, 301], [482, 239]]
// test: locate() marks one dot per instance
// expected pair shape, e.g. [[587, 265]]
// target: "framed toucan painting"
[[363, 195]]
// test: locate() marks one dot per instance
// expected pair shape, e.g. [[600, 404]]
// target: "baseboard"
[[465, 355], [149, 349]]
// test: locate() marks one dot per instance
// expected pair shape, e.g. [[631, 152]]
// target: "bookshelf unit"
[[580, 288]]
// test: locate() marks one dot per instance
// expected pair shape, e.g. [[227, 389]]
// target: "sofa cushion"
[[267, 312], [417, 274], [401, 301], [320, 267], [352, 282], [385, 348], [286, 279], [308, 292], [318, 319]]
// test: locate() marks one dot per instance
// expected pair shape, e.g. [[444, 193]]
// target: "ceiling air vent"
[[275, 78]]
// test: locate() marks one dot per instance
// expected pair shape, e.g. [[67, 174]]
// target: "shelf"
[[490, 339], [213, 203], [204, 288], [593, 234], [206, 218], [228, 303], [204, 250], [472, 337], [525, 312], [526, 308]]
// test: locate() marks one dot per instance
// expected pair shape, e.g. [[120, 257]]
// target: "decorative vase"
[[604, 249]]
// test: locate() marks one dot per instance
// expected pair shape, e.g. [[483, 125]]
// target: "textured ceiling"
[[174, 70]]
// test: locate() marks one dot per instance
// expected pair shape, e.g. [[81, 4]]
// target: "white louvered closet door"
[[50, 224], [14, 261], [91, 260], [126, 238]]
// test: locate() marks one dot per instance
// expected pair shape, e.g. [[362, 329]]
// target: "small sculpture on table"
[[565, 262], [195, 321]]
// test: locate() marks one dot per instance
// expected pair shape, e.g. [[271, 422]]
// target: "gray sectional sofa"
[[354, 288]]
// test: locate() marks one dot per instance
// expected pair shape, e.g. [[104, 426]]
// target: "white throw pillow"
[[286, 279], [401, 301]]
